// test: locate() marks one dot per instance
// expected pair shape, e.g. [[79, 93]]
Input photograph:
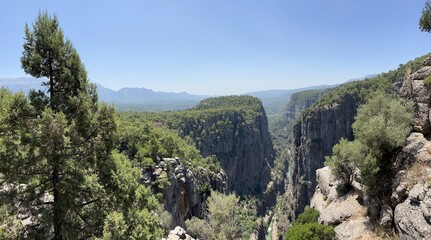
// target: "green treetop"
[[47, 54], [425, 20]]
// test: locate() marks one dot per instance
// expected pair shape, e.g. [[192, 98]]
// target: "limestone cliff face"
[[235, 131], [411, 195], [346, 213], [301, 101], [182, 191], [242, 144], [414, 88], [314, 136]]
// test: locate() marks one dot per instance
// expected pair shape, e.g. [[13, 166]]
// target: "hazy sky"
[[225, 46]]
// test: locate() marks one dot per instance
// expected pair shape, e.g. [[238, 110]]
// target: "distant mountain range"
[[143, 99], [275, 101], [138, 99], [21, 84]]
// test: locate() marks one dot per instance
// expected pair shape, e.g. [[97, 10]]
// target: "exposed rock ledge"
[[177, 234], [345, 213], [413, 216]]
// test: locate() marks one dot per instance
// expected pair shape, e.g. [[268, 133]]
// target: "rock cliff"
[[314, 136], [414, 88], [300, 101], [183, 192], [232, 130], [411, 195], [241, 142]]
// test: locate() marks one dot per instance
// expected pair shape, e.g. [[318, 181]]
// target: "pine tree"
[[55, 147], [425, 20]]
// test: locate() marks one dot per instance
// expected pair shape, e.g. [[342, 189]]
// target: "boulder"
[[355, 229], [319, 201], [416, 149], [179, 233], [413, 217], [422, 73], [399, 195], [341, 209], [326, 183], [427, 61], [386, 215]]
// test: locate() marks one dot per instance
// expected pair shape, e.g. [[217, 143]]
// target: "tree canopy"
[[425, 19], [228, 218], [60, 170], [306, 227], [381, 126]]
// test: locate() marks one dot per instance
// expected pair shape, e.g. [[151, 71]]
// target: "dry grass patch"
[[417, 173]]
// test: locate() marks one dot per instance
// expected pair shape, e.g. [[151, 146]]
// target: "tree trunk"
[[58, 215], [51, 85]]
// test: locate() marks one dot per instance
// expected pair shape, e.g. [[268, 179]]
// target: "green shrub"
[[306, 227], [310, 231], [309, 215], [427, 80], [228, 218], [380, 127], [343, 162]]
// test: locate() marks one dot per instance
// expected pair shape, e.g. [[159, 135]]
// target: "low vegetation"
[[306, 227], [227, 218]]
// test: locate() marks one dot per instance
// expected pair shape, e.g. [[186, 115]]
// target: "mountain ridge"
[[145, 99]]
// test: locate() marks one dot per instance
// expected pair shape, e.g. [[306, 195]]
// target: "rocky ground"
[[346, 213]]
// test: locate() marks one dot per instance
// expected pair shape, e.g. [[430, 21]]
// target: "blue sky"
[[225, 46]]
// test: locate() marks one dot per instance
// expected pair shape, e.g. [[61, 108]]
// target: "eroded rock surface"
[[413, 217], [414, 88], [345, 213], [177, 234], [182, 197]]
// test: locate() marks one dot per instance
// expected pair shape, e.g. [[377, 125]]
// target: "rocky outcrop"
[[180, 187], [416, 149], [242, 144], [414, 88], [346, 213], [314, 136], [413, 216], [411, 193], [177, 234], [411, 189], [300, 101]]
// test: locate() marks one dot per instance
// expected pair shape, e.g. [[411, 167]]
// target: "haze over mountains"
[[143, 99]]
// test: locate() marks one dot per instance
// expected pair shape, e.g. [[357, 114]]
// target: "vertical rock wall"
[[243, 147], [314, 136]]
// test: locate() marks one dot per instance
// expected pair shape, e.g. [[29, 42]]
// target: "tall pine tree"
[[59, 170], [56, 146]]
